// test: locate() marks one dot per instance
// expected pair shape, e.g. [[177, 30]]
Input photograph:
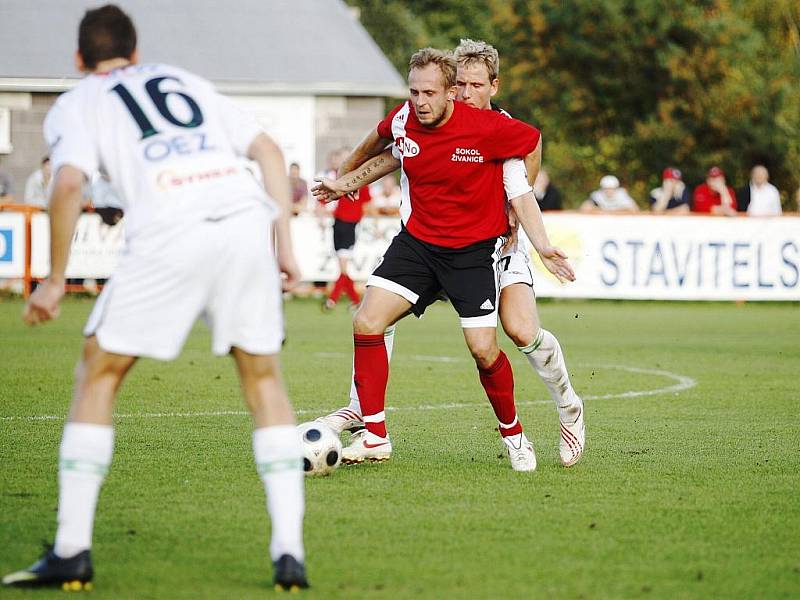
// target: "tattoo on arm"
[[358, 178]]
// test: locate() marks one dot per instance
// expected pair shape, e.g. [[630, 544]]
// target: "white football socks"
[[84, 458], [388, 341], [279, 458], [546, 358]]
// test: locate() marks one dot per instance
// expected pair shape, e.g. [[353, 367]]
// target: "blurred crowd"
[[715, 196]]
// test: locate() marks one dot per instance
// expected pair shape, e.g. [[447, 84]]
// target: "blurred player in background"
[[174, 148], [477, 81], [347, 214]]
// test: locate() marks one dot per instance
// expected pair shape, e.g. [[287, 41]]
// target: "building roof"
[[245, 46]]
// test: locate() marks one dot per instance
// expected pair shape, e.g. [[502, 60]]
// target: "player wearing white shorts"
[[477, 80], [198, 243]]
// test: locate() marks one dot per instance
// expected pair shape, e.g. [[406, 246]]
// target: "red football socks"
[[371, 367], [498, 382]]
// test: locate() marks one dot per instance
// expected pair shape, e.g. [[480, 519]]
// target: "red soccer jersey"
[[705, 198], [351, 211], [452, 176]]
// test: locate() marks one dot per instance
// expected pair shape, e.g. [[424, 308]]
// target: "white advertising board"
[[12, 245], [313, 243], [626, 256], [675, 258], [95, 247]]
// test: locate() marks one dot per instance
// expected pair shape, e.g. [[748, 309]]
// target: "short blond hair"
[[441, 58], [469, 52]]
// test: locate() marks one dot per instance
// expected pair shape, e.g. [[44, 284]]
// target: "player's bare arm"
[[328, 190], [269, 157], [533, 162], [65, 208], [372, 145], [530, 217]]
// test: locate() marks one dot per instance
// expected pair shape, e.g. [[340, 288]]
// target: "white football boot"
[[573, 435], [366, 446], [520, 452], [343, 419]]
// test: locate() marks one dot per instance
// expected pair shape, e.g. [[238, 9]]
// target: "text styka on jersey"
[[467, 155], [183, 144]]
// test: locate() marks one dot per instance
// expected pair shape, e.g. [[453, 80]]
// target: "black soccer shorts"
[[419, 272], [344, 235]]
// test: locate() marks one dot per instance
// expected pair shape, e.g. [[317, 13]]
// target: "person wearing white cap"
[[609, 198]]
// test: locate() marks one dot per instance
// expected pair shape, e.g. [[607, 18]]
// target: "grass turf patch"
[[689, 493]]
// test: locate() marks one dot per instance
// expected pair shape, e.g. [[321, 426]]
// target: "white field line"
[[682, 382]]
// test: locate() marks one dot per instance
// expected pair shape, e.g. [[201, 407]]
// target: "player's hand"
[[555, 261], [43, 304], [326, 190], [290, 272]]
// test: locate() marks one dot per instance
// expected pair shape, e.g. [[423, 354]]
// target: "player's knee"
[[484, 353], [366, 323], [96, 364], [521, 336]]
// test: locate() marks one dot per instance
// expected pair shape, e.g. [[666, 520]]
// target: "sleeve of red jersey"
[[508, 138], [385, 127]]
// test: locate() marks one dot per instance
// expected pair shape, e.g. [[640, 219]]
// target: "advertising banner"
[[624, 256], [675, 258], [620, 256], [95, 247], [12, 244]]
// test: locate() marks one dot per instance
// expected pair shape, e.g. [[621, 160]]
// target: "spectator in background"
[[759, 198], [6, 187], [105, 200], [715, 196], [547, 195], [386, 198], [672, 196], [797, 200], [299, 189], [609, 198], [37, 187]]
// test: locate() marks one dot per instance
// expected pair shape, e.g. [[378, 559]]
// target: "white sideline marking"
[[682, 382]]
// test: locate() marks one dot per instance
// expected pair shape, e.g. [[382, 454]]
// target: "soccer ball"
[[322, 449]]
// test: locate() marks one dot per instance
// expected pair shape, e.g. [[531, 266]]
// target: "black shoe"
[[70, 574], [290, 574]]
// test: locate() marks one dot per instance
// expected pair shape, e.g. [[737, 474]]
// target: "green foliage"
[[631, 86]]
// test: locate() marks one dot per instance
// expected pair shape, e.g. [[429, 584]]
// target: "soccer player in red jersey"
[[477, 81], [453, 213], [346, 216]]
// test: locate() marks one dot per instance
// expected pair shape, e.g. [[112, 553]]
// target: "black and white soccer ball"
[[322, 448]]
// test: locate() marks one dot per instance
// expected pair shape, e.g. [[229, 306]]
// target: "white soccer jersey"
[[171, 144]]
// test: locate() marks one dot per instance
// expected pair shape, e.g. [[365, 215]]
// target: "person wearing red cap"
[[715, 196], [672, 196]]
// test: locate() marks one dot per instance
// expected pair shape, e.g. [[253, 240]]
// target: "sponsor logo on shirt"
[[170, 179], [408, 147], [472, 155]]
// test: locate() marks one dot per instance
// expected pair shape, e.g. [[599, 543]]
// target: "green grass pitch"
[[689, 488]]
